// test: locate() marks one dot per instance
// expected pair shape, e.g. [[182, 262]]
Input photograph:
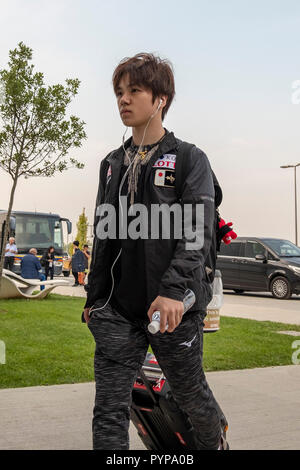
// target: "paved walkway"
[[262, 307], [262, 407], [256, 306]]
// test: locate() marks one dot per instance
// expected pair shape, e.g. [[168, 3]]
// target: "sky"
[[235, 63]]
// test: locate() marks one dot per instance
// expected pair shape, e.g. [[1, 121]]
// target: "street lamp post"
[[295, 187]]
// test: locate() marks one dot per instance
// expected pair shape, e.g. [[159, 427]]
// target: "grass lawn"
[[46, 343]]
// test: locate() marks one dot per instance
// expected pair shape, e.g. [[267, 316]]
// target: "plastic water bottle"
[[217, 299], [212, 319], [188, 301]]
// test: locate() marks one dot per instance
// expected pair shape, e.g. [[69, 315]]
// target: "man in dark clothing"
[[132, 276], [78, 260], [31, 267], [48, 262]]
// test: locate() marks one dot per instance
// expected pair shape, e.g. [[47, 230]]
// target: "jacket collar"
[[168, 143], [116, 158]]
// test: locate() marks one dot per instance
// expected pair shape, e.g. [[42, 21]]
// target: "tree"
[[70, 249], [82, 228], [35, 134]]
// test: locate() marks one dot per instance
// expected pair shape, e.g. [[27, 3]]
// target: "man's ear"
[[164, 99]]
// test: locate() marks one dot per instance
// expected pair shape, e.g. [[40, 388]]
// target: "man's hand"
[[86, 315], [171, 312]]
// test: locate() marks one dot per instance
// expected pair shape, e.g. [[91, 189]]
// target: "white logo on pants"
[[188, 343]]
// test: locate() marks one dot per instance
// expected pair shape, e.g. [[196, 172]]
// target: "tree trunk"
[[7, 225]]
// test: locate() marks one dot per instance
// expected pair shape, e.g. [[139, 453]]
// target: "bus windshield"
[[40, 232]]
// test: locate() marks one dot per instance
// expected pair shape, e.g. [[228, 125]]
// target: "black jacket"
[[170, 268], [46, 258], [78, 261]]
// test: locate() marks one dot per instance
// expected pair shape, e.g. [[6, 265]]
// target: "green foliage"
[[46, 343], [82, 228], [35, 135], [70, 249]]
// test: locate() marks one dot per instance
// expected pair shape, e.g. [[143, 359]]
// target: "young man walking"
[[131, 277]]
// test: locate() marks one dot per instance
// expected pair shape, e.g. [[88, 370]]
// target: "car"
[[260, 264]]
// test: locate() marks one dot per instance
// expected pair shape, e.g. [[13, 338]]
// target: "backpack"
[[180, 175]]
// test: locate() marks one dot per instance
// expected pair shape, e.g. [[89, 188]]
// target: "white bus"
[[36, 230]]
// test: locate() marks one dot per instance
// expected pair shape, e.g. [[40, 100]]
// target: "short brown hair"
[[152, 72]]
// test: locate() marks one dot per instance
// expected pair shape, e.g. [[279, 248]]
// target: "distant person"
[[78, 260], [87, 256], [31, 267], [47, 262], [10, 252]]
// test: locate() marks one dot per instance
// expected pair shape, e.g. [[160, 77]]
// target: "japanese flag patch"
[[164, 178]]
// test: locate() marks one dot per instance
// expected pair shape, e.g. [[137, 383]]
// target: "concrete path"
[[256, 306], [70, 290], [262, 407], [262, 307]]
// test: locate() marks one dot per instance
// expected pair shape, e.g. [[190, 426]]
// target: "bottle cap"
[[154, 327]]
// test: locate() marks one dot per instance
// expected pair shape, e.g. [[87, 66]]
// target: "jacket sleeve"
[[96, 272], [198, 189]]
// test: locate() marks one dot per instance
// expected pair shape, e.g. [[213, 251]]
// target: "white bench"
[[14, 286]]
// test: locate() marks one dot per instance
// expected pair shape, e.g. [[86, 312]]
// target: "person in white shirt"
[[10, 252]]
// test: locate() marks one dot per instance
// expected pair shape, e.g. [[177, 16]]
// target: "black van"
[[260, 264]]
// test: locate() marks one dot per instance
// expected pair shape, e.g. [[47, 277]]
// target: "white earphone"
[[158, 108], [120, 204]]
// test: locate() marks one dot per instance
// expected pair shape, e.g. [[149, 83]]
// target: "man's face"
[[11, 241], [134, 103]]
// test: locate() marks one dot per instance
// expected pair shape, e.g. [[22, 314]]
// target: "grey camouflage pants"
[[121, 347]]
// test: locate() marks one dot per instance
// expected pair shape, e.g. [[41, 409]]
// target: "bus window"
[[33, 232], [57, 234]]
